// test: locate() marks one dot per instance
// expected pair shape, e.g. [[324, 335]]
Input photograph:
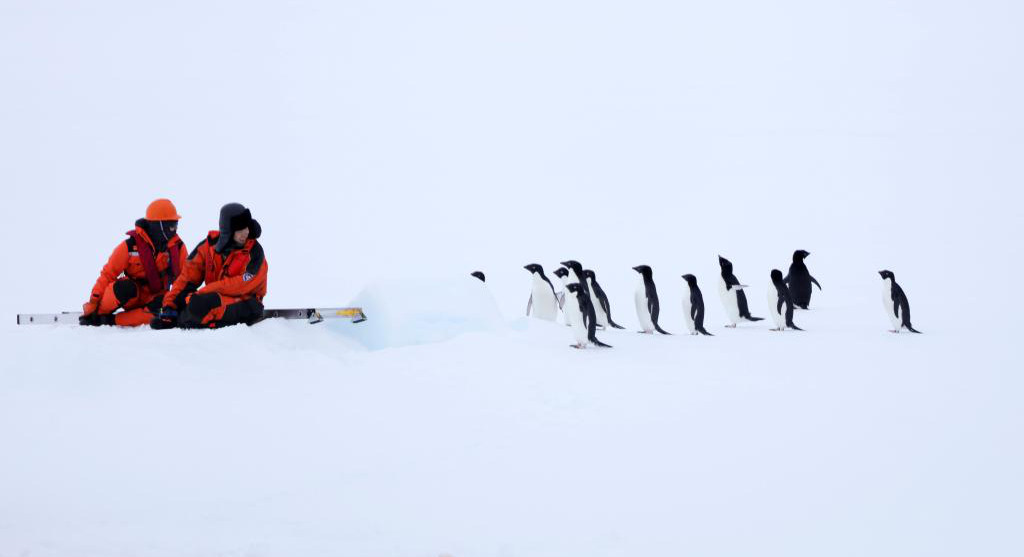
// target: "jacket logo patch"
[[247, 277]]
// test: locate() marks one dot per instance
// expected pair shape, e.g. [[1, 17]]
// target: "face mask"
[[162, 231]]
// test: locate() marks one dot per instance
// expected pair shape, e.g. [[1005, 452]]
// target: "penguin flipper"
[[816, 283], [744, 309], [529, 305], [560, 298]]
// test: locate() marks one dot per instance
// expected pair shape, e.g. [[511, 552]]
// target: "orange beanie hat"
[[162, 209]]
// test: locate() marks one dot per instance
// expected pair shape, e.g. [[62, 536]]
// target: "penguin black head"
[[887, 275], [725, 264], [800, 255], [534, 268], [588, 274], [644, 270], [574, 287], [479, 275], [776, 277], [690, 280], [575, 266], [562, 272]]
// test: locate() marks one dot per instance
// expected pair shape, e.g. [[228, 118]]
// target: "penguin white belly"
[[544, 304], [688, 315], [642, 313], [563, 297], [575, 318], [732, 307], [773, 309], [887, 303], [602, 317]]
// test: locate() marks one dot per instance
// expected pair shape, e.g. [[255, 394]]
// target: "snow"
[[290, 439], [422, 310], [390, 149]]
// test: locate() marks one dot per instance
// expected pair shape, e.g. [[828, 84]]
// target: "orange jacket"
[[242, 274], [125, 260]]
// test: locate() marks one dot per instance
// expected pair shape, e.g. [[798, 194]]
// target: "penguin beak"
[[565, 264], [637, 269], [881, 273], [527, 267]]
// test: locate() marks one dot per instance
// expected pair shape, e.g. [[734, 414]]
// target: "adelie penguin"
[[576, 276], [646, 297], [733, 298], [580, 314], [693, 308], [799, 280], [563, 275], [895, 302], [781, 302], [602, 307], [543, 303]]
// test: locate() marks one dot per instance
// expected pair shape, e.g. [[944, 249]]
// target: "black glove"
[[166, 319], [95, 319]]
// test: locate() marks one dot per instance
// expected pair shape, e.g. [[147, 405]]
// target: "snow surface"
[[421, 310], [383, 145]]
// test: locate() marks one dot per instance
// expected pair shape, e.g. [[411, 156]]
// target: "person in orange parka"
[[139, 271], [224, 279]]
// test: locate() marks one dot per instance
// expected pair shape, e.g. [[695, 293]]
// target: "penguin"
[[543, 303], [479, 275], [576, 274], [895, 302], [781, 303], [799, 280], [603, 308], [733, 298], [563, 274], [646, 298], [693, 308], [581, 315]]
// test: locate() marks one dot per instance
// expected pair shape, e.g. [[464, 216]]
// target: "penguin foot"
[[645, 332], [897, 331], [578, 346], [733, 326]]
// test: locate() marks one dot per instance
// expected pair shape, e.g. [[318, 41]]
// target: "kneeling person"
[[139, 271], [224, 280]]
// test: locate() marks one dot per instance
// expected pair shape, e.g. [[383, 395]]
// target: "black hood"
[[235, 217], [159, 232]]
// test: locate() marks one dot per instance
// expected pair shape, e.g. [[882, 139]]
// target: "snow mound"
[[424, 310]]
